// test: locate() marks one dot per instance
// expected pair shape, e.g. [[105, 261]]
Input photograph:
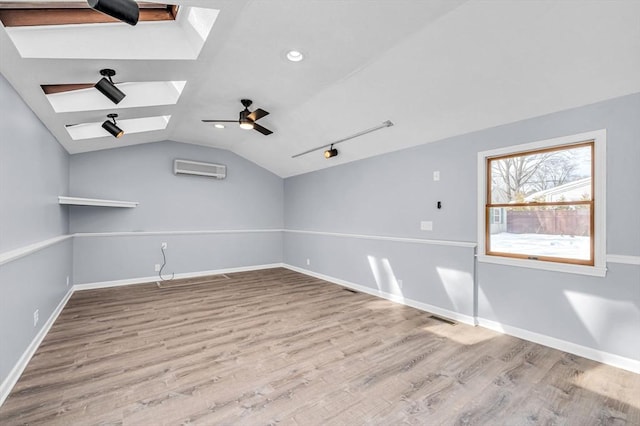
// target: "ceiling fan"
[[247, 119]]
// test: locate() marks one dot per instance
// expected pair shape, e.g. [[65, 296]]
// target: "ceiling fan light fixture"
[[245, 122], [112, 127], [107, 88], [123, 10], [295, 56]]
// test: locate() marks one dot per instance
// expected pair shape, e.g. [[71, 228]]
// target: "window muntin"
[[496, 216], [545, 199]]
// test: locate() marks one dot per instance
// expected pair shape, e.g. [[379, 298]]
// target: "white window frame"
[[599, 178]]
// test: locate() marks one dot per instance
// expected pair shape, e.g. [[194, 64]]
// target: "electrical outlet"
[[67, 280], [36, 317], [436, 176], [164, 245], [399, 283], [157, 267], [308, 261]]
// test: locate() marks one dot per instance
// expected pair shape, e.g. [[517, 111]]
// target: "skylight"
[[132, 125], [29, 14], [139, 94], [179, 39]]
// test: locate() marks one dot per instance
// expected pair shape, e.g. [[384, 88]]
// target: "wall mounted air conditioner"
[[186, 167]]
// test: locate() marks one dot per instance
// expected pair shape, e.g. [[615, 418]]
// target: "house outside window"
[[542, 204]]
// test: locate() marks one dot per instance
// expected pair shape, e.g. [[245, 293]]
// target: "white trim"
[[151, 233], [467, 319], [583, 351], [154, 278], [618, 361], [620, 258], [79, 201], [12, 378], [387, 238], [12, 255], [546, 266], [600, 184], [15, 254]]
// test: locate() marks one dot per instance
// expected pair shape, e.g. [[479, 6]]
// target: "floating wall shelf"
[[77, 201]]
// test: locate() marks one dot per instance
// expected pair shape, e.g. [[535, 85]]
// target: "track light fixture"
[[123, 10], [111, 126], [107, 88], [331, 152]]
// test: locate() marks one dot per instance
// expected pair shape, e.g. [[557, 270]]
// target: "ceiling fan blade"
[[261, 129], [219, 121], [257, 114]]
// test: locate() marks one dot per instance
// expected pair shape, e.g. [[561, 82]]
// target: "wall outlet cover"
[[164, 245], [157, 267], [426, 225]]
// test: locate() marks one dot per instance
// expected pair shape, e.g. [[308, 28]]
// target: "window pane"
[[552, 176], [558, 231]]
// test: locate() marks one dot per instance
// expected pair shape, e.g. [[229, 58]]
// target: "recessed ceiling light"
[[295, 56], [219, 126]]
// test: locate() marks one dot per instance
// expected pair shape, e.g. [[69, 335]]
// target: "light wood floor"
[[276, 346]]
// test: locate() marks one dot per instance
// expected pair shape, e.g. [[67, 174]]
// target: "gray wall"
[[390, 194], [250, 198], [33, 172]]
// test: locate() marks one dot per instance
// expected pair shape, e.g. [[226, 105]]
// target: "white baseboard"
[[7, 385], [614, 360], [607, 358], [154, 278], [10, 381], [466, 319]]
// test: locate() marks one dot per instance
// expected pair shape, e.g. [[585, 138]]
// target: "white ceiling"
[[436, 68]]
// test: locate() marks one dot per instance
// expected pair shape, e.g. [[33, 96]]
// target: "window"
[[27, 14], [542, 204]]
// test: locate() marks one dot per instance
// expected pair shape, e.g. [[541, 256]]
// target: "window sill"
[[595, 271]]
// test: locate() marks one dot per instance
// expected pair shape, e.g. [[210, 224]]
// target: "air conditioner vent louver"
[[186, 167]]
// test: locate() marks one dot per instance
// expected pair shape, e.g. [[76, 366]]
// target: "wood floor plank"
[[278, 347]]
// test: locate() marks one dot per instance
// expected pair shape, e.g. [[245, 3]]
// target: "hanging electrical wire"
[[164, 263]]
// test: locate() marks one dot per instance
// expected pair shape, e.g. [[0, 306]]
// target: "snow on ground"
[[542, 245]]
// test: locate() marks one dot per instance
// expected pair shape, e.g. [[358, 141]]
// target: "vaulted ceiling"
[[435, 68]]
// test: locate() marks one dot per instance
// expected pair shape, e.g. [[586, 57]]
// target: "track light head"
[[123, 10], [111, 126], [331, 152], [107, 88]]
